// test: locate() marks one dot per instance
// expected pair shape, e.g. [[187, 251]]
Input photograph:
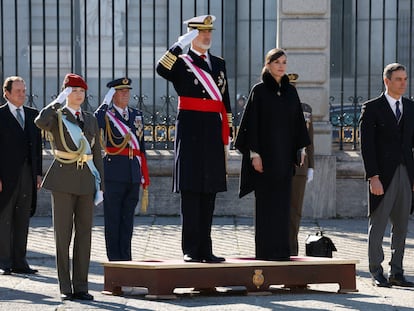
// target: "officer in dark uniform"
[[303, 175], [122, 133], [202, 133]]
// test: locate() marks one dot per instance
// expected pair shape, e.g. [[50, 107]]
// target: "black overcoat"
[[199, 148], [273, 126]]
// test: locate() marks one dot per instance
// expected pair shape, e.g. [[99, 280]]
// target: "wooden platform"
[[162, 277]]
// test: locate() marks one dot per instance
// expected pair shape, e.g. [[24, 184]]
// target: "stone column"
[[304, 32]]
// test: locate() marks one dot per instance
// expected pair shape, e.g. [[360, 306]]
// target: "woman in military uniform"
[[303, 175], [74, 178]]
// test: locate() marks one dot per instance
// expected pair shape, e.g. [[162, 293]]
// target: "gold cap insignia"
[[293, 77]]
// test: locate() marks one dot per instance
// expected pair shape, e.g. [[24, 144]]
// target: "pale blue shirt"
[[13, 110]]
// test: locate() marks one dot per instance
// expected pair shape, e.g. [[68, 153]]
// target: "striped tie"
[[78, 119], [19, 117]]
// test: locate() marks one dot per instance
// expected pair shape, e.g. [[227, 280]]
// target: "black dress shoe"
[[25, 271], [82, 296], [6, 271], [380, 281], [399, 280], [213, 259], [67, 296], [189, 258]]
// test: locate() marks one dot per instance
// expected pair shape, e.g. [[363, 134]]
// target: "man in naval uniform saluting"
[[202, 133], [124, 166]]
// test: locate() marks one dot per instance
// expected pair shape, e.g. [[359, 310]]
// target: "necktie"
[[20, 117], [78, 119], [397, 111], [203, 56]]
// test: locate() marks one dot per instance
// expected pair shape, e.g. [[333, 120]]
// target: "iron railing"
[[42, 40]]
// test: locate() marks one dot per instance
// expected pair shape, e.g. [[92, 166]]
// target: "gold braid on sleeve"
[[168, 60]]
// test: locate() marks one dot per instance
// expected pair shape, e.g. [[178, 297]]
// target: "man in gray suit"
[[75, 178], [387, 139]]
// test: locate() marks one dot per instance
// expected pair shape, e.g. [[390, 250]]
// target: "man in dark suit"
[[20, 175], [124, 166], [75, 180], [202, 133], [387, 139]]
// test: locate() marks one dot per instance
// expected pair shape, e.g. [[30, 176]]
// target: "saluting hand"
[[257, 164], [186, 38], [108, 97], [63, 95]]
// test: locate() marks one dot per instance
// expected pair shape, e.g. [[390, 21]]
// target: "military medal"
[[221, 82], [139, 126]]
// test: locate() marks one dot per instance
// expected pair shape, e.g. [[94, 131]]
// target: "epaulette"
[[168, 60]]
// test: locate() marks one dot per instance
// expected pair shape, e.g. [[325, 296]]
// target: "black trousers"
[[196, 217], [14, 223], [272, 221]]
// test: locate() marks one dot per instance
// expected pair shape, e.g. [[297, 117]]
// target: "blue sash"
[[76, 135]]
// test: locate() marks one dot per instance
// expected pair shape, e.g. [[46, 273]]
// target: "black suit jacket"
[[383, 145], [14, 141]]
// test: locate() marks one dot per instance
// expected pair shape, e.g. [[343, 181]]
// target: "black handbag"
[[318, 245]]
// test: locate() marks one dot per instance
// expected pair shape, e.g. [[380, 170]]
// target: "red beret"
[[74, 80]]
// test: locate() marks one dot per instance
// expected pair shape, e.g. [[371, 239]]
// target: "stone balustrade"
[[344, 190]]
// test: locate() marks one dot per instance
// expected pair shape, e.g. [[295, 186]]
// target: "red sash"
[[131, 153], [207, 105]]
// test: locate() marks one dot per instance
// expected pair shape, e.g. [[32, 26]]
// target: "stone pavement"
[[158, 237]]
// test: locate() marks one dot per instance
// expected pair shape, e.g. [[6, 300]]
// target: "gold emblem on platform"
[[258, 278]]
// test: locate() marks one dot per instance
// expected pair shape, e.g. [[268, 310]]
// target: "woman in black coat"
[[271, 133]]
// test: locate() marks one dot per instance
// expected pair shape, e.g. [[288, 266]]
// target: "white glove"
[[108, 97], [63, 95], [186, 39], [309, 176]]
